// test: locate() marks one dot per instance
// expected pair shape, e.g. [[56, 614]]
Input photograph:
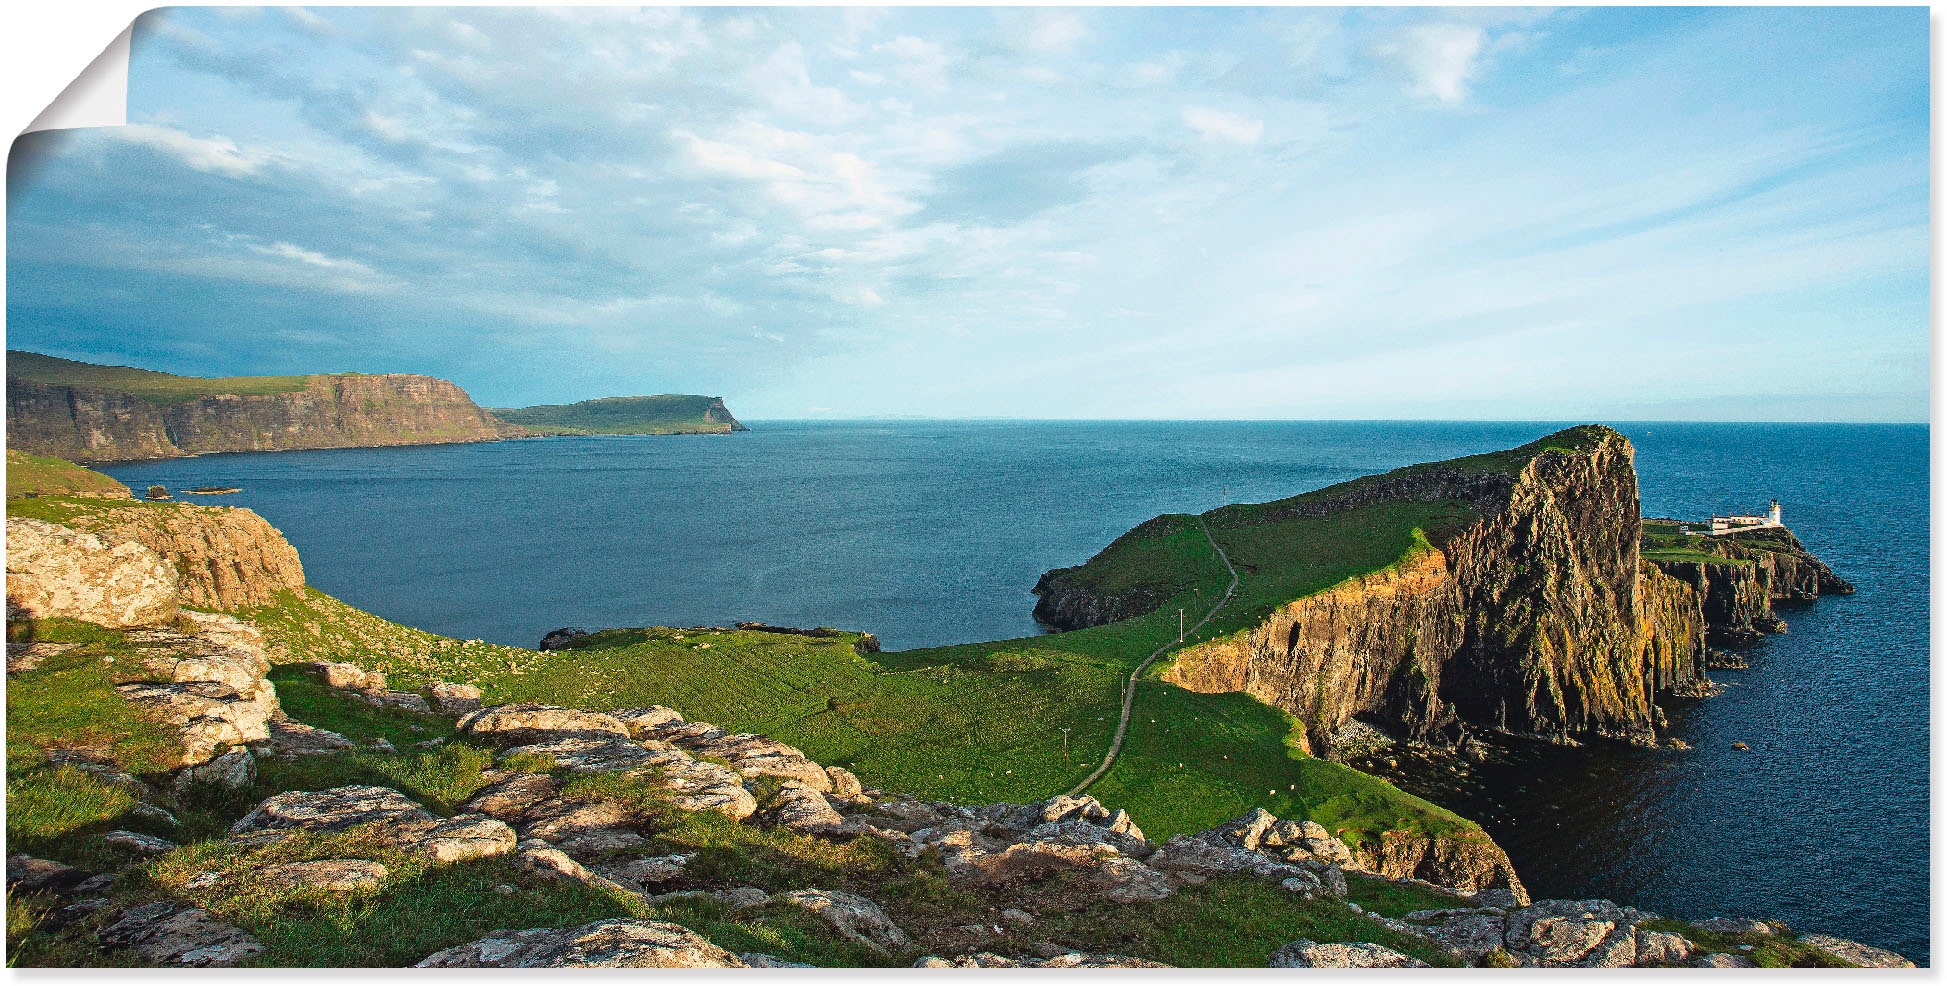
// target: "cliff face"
[[1537, 619], [85, 424], [340, 411], [225, 558], [1757, 571]]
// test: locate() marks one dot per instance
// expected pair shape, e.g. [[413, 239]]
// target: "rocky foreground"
[[537, 811]]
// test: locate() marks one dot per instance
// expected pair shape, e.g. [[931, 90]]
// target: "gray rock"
[[647, 872], [614, 943], [803, 809], [1194, 860], [332, 810], [235, 769], [1722, 960], [1307, 954], [167, 933], [1016, 916], [54, 571], [531, 723], [409, 701], [1125, 881], [447, 698], [561, 638], [1468, 934], [327, 875], [31, 874], [1580, 933], [1246, 832], [845, 784], [1661, 948], [852, 916], [758, 960], [1864, 956], [346, 677], [147, 845], [290, 738]]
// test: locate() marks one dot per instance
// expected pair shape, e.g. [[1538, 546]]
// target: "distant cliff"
[[1520, 602], [660, 414], [89, 413]]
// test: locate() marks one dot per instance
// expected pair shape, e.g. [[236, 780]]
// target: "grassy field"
[[150, 385], [40, 475], [661, 414]]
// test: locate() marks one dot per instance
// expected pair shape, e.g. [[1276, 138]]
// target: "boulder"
[[391, 815], [1661, 948], [1864, 956], [845, 784], [562, 638], [147, 845], [1722, 960], [451, 699], [327, 875], [234, 770], [333, 810], [644, 721], [1469, 934], [206, 715], [613, 943], [803, 809], [758, 960], [1245, 832], [169, 934], [409, 701], [1297, 841], [647, 872], [347, 677], [1193, 859], [54, 571], [31, 874], [588, 754], [1578, 933], [531, 723], [1307, 954], [537, 858], [511, 798], [1126, 881], [290, 738], [852, 916]]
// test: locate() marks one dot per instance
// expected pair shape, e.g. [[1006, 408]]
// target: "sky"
[[1287, 213]]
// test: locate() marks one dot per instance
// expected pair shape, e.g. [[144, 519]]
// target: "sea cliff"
[[1527, 609], [94, 424]]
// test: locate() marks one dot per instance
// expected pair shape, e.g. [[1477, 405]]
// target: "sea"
[[933, 532]]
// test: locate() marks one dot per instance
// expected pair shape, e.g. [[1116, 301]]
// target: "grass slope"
[[660, 414], [41, 475], [150, 385]]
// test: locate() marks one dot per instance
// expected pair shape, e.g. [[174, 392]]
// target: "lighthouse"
[[1777, 518]]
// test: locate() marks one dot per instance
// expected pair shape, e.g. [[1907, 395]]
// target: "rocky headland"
[[1525, 603], [99, 414]]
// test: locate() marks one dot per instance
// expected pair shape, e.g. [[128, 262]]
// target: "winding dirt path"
[[1129, 690]]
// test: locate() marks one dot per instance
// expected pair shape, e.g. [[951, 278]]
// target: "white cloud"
[[217, 155], [1221, 125], [1055, 33], [1439, 59], [916, 60]]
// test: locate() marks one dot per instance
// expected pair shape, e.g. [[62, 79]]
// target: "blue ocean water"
[[933, 532]]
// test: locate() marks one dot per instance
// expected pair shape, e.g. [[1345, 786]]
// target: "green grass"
[[42, 475], [1397, 900], [310, 702], [1767, 951], [70, 702], [661, 414], [150, 385]]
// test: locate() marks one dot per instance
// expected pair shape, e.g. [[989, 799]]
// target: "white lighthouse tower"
[[1777, 516]]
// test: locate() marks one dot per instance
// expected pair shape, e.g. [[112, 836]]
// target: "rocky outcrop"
[[1307, 954], [90, 424], [226, 558], [54, 571], [205, 680], [1070, 599], [1759, 570], [614, 943], [1537, 618]]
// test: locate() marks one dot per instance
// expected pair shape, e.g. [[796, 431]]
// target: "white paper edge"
[[98, 97]]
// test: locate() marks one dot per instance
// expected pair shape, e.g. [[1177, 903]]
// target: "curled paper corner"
[[98, 97]]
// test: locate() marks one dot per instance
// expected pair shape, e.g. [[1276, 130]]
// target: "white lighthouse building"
[[1775, 517]]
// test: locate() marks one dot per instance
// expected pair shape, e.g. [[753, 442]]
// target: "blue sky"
[[1590, 213]]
